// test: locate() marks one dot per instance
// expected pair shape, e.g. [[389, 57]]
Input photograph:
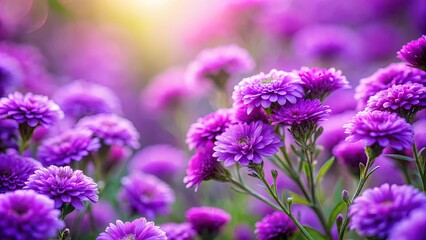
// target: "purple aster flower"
[[412, 227], [246, 143], [378, 210], [146, 195], [207, 221], [81, 98], [241, 115], [178, 231], [319, 83], [333, 130], [275, 226], [384, 78], [414, 53], [350, 155], [381, 128], [202, 167], [162, 160], [28, 215], [243, 232], [406, 100], [263, 90], [30, 109], [137, 229], [218, 64], [111, 129], [71, 145], [14, 171], [206, 129], [64, 185]]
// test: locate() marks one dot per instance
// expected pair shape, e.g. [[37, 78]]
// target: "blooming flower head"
[[111, 129], [28, 215], [319, 83], [30, 109], [71, 145], [382, 128], [412, 227], [206, 129], [377, 210], [207, 221], [14, 171], [414, 53], [81, 98], [146, 195], [64, 185], [178, 231], [384, 78], [246, 143], [218, 64], [137, 229], [406, 100], [264, 90], [350, 155], [162, 160], [276, 225]]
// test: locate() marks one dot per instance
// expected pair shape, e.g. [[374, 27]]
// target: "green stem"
[[420, 166]]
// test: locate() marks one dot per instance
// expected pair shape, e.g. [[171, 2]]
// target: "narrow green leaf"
[[400, 157], [372, 170], [238, 190], [325, 167], [421, 151], [299, 199], [336, 210]]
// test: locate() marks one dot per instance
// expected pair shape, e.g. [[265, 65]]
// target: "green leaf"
[[314, 234], [336, 210], [305, 168], [372, 170], [400, 157], [318, 133], [325, 167], [299, 199]]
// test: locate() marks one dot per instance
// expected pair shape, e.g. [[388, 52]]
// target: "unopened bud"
[[345, 196]]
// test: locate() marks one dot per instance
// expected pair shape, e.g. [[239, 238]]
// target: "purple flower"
[[333, 130], [30, 109], [71, 145], [350, 155], [218, 64], [319, 83], [263, 90], [202, 167], [206, 129], [276, 225], [178, 231], [241, 115], [10, 73], [207, 221], [146, 195], [64, 185], [246, 143], [243, 232], [414, 53], [80, 98], [406, 100], [162, 160], [377, 210], [111, 129], [384, 78], [382, 128], [412, 227], [138, 229], [28, 215], [14, 171]]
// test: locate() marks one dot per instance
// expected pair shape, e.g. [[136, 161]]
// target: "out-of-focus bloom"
[[374, 35], [30, 109], [64, 185], [263, 90], [341, 101], [406, 100], [243, 232], [377, 210], [206, 129], [207, 221], [383, 78], [246, 143], [382, 128], [412, 227], [178, 231], [28, 215], [8, 134], [414, 53], [162, 160], [275, 226], [241, 115], [350, 155], [11, 74], [14, 171], [137, 229], [319, 83], [71, 145], [202, 167], [333, 130], [81, 98], [146, 195], [218, 64], [420, 133], [111, 129]]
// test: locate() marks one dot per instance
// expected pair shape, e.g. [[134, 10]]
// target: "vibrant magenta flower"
[[137, 229], [207, 221], [414, 53], [276, 225], [178, 231], [412, 227]]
